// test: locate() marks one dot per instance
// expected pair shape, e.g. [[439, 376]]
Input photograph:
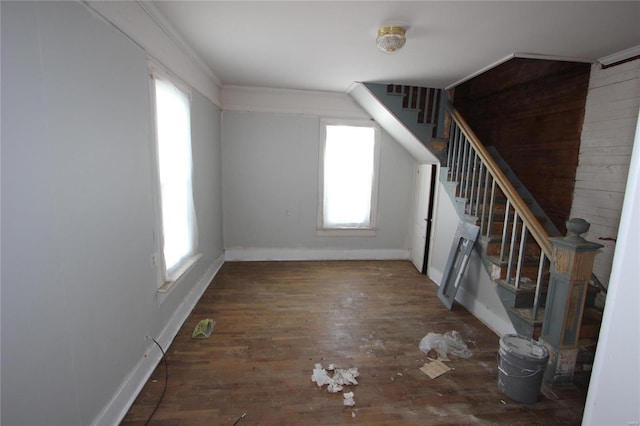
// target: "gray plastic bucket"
[[521, 364]]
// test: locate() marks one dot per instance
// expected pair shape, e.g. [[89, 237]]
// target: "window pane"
[[173, 125], [348, 176]]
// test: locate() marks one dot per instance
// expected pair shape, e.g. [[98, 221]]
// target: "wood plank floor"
[[275, 320]]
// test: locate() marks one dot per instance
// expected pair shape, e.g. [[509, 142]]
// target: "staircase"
[[514, 230], [420, 109]]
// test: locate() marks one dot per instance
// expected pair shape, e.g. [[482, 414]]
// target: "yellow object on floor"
[[204, 329]]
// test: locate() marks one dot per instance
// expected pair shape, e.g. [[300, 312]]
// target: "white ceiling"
[[327, 45]]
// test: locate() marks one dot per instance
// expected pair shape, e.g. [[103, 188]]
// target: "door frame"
[[430, 210]]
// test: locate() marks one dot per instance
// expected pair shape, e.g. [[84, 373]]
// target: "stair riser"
[[526, 271], [471, 192], [497, 228]]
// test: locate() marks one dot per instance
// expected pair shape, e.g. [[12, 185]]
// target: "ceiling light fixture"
[[391, 38]]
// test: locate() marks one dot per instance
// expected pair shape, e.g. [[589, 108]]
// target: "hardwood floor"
[[275, 320]]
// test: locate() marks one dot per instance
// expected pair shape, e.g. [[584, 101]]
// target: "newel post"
[[571, 269]]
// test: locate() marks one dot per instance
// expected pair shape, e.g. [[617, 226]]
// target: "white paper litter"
[[348, 399], [320, 376], [341, 377], [334, 388], [346, 376], [443, 344]]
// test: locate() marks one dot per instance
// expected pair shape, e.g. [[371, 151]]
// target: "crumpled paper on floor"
[[348, 399], [341, 377]]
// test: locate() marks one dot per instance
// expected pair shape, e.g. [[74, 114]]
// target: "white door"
[[421, 214]]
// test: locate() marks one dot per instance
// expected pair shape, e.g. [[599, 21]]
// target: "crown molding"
[[621, 56], [173, 34], [144, 26], [290, 101], [522, 55]]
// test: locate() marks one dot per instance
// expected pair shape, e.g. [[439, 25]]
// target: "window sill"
[[346, 232], [165, 289]]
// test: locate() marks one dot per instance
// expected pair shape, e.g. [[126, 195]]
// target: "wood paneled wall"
[[532, 111], [611, 115]]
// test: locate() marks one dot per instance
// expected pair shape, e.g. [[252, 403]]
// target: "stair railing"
[[480, 181]]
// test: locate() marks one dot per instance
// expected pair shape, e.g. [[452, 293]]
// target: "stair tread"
[[527, 315]]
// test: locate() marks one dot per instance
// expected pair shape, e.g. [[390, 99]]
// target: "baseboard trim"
[[435, 275], [117, 408], [262, 254]]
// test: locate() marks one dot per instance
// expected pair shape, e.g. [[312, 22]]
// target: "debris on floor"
[[444, 344], [320, 376], [341, 377], [348, 399], [435, 369], [239, 418], [346, 376], [334, 388], [203, 329]]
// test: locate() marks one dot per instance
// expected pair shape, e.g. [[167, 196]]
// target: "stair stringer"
[[408, 116], [477, 291], [391, 123]]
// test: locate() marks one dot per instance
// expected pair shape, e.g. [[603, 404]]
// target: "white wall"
[[477, 291], [614, 389], [148, 28], [270, 183], [605, 149], [78, 286]]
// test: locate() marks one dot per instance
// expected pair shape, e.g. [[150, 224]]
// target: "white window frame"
[[167, 279], [321, 229]]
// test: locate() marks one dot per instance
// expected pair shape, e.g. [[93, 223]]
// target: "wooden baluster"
[[467, 173], [459, 156], [465, 151], [491, 206], [483, 220], [505, 225], [512, 247], [450, 148], [523, 239], [479, 190], [536, 298], [473, 198]]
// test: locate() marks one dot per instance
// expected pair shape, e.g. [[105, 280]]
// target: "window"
[[173, 147], [348, 183]]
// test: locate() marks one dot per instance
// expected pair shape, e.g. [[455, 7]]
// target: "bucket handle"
[[510, 363]]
